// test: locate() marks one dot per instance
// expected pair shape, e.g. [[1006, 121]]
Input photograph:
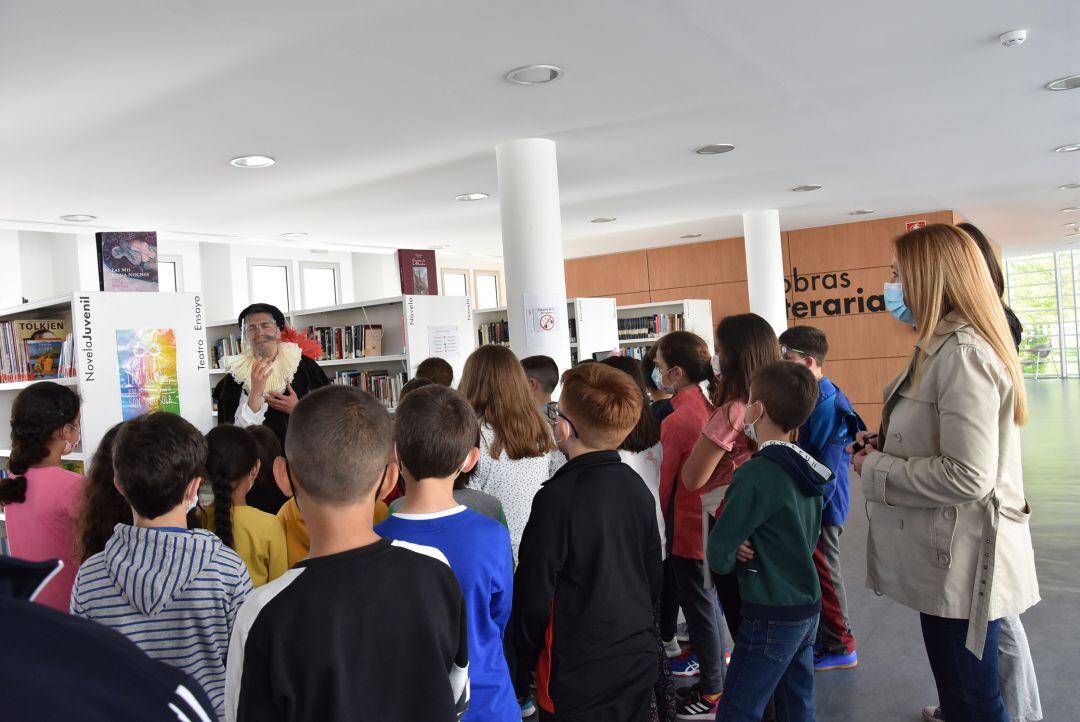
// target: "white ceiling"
[[379, 112]]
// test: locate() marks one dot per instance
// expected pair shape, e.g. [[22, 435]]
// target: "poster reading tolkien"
[[148, 380]]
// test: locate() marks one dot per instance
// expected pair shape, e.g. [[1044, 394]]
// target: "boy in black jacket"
[[589, 565], [770, 525]]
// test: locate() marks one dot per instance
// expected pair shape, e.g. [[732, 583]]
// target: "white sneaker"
[[672, 648], [682, 633]]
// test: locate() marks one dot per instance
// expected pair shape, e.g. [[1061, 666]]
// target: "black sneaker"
[[696, 707]]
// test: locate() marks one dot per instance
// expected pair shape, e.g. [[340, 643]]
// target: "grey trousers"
[[702, 621], [1019, 687]]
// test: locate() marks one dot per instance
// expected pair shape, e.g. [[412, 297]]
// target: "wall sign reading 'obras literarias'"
[[837, 293]]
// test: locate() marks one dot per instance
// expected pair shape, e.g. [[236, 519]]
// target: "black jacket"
[[308, 377], [60, 667], [589, 569]]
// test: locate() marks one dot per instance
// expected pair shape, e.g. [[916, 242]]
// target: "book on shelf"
[[383, 385], [127, 261], [346, 342], [35, 349], [572, 325], [497, 332], [640, 327], [418, 276], [223, 347]]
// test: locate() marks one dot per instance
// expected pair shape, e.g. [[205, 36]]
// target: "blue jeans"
[[968, 688], [768, 657]]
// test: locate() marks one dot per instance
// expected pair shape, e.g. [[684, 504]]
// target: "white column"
[[765, 266], [533, 249]]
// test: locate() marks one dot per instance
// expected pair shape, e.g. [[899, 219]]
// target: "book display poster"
[[128, 261], [147, 366], [418, 276]]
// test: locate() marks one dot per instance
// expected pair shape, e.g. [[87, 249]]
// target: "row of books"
[[383, 385], [637, 352], [228, 346], [649, 326], [344, 342], [35, 349], [494, 332]]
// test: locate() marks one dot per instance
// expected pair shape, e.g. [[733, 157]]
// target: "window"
[[268, 282], [455, 282], [170, 274], [320, 284], [1044, 292], [487, 289]]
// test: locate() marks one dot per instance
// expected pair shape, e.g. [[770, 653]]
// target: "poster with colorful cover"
[[128, 261], [148, 379]]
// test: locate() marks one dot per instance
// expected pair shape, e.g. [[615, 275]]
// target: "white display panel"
[[439, 326]]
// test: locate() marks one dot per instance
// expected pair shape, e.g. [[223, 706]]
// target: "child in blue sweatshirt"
[[767, 533], [825, 436], [436, 436]]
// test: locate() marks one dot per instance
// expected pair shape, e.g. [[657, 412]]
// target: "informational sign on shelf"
[[444, 341], [913, 225]]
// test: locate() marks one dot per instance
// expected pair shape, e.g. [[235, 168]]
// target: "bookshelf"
[[592, 322], [696, 317], [97, 318], [413, 328]]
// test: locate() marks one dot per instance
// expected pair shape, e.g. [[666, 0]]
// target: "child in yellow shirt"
[[259, 538], [296, 535]]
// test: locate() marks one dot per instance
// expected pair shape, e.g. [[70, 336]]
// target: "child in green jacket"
[[767, 532]]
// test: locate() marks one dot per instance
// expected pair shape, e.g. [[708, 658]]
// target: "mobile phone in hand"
[[857, 447]]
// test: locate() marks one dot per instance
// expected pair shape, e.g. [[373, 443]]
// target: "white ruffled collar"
[[286, 363]]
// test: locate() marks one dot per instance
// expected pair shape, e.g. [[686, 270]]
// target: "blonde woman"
[[949, 532], [517, 450]]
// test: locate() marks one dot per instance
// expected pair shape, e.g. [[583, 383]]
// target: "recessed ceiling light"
[[1070, 209], [1069, 82], [78, 218], [1070, 186], [691, 235], [862, 212], [602, 220], [471, 197], [294, 235], [253, 161], [806, 188], [715, 149], [1071, 148], [534, 74]]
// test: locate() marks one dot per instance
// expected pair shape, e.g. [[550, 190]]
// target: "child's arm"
[[744, 510], [459, 672], [543, 550], [502, 588], [701, 463], [670, 464], [277, 552]]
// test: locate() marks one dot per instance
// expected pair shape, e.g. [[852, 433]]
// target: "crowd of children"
[[535, 554]]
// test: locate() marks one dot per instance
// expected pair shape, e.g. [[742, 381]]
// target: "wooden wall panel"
[[727, 298], [876, 335], [865, 244], [817, 300], [607, 275], [871, 414], [629, 299], [697, 264], [863, 381]]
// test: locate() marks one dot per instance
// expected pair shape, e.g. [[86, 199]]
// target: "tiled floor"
[[893, 681]]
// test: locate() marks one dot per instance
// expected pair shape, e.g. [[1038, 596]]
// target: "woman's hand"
[[862, 446]]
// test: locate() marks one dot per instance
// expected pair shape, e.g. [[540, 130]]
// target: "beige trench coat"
[[949, 531]]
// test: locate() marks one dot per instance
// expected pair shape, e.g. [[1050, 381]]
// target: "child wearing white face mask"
[[43, 500], [172, 591]]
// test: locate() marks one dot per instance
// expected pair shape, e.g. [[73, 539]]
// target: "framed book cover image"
[[128, 261], [148, 377], [417, 270]]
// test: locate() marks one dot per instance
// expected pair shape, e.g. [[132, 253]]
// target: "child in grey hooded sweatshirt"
[[174, 592]]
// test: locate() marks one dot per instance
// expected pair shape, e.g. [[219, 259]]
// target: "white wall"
[[10, 269], [190, 254], [375, 275], [471, 264], [216, 280], [40, 271]]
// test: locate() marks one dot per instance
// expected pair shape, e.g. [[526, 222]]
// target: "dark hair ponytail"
[[746, 342], [231, 454], [689, 352], [39, 411], [103, 506]]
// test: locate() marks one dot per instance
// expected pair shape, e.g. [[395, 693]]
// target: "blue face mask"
[[897, 306], [658, 379]]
